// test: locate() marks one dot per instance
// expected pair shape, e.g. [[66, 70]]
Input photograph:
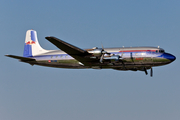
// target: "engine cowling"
[[96, 52], [115, 58]]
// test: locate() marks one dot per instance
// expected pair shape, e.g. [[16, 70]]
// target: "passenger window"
[[143, 54]]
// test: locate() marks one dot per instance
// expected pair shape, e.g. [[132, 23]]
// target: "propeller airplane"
[[70, 56]]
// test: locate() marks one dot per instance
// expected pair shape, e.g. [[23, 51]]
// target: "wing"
[[77, 53], [66, 47]]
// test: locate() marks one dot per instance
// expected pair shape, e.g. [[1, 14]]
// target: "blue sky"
[[42, 93]]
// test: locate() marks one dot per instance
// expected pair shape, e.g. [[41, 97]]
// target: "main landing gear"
[[151, 71]]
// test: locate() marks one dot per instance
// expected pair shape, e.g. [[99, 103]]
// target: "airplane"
[[72, 57]]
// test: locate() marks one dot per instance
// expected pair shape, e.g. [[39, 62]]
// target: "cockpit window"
[[161, 51]]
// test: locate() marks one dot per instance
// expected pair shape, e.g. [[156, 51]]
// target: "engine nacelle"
[[113, 58], [96, 52]]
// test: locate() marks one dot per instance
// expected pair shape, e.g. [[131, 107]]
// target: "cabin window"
[[143, 54]]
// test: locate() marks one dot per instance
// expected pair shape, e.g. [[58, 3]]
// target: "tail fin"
[[32, 47]]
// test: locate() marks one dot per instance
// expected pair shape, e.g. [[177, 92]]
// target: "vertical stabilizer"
[[32, 47]]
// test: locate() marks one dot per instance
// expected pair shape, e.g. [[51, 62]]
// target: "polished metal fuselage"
[[132, 58]]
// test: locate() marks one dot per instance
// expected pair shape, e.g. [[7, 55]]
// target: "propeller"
[[122, 60], [102, 56], [103, 52]]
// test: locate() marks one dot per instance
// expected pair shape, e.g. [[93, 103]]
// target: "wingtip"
[[48, 37]]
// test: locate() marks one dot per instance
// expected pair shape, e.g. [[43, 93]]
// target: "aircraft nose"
[[170, 57]]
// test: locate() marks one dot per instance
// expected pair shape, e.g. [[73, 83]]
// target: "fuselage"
[[132, 58]]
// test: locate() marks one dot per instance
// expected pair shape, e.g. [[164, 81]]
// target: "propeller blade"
[[123, 64], [122, 54], [102, 46], [101, 59]]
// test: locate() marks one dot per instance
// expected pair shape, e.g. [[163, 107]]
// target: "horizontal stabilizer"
[[21, 58]]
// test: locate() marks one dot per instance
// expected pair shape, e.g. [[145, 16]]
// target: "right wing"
[[79, 54], [66, 47]]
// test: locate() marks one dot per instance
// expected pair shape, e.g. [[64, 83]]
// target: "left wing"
[[77, 53]]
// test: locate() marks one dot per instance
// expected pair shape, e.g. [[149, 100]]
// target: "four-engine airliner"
[[70, 56]]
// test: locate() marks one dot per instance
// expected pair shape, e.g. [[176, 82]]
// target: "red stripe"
[[138, 51]]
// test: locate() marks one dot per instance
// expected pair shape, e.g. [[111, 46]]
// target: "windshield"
[[161, 51]]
